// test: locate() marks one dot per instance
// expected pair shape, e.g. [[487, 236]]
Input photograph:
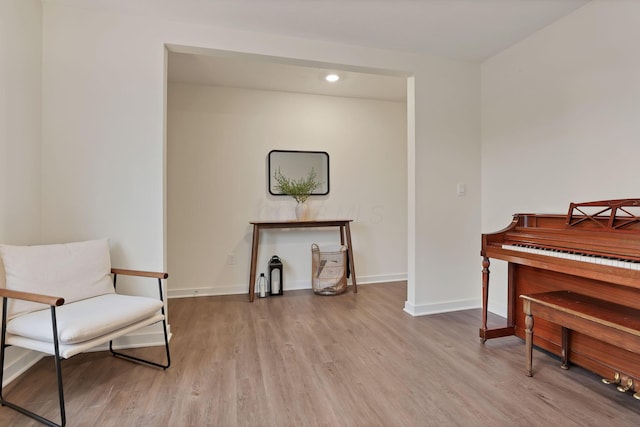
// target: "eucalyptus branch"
[[299, 189]]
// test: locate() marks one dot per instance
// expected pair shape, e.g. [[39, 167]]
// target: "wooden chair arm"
[[28, 296], [58, 301], [139, 273]]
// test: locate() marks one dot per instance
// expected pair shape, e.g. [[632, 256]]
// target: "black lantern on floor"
[[275, 275]]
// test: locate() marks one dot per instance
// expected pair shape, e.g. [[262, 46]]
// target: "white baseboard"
[[443, 307], [289, 286], [18, 360], [500, 309], [382, 278]]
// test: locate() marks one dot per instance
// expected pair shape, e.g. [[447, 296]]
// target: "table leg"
[[350, 253], [254, 261]]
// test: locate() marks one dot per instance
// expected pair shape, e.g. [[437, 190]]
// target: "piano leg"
[[485, 298], [528, 321], [486, 333]]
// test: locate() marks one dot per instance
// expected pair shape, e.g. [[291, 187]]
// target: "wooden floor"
[[307, 360]]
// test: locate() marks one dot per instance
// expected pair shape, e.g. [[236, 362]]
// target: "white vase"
[[302, 211]]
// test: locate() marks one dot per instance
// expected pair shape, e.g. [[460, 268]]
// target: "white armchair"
[[62, 300]]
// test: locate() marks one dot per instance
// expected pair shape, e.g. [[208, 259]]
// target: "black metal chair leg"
[[146, 361], [58, 364], [166, 338]]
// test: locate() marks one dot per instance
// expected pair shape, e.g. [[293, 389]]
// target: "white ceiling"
[[257, 72], [468, 30]]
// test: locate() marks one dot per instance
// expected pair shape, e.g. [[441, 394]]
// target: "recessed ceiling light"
[[332, 77]]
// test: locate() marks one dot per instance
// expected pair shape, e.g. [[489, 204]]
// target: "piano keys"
[[576, 256], [593, 250]]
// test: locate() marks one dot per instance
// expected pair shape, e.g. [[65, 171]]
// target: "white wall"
[[20, 67], [103, 127], [103, 134], [447, 226], [20, 72], [560, 119], [218, 142]]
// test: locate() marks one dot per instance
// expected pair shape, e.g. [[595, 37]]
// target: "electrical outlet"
[[231, 259]]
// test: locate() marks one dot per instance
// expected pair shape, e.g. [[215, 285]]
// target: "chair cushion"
[[87, 319], [74, 271]]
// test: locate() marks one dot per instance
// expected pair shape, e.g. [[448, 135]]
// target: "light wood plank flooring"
[[307, 360]]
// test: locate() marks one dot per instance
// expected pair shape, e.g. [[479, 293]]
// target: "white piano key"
[[619, 263]]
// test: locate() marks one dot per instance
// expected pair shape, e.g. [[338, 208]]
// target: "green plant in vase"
[[299, 189]]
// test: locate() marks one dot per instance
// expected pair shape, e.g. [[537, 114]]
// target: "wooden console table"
[[345, 233]]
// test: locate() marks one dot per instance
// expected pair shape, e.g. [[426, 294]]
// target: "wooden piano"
[[594, 251]]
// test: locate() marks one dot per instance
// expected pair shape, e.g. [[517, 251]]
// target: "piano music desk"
[[614, 324]]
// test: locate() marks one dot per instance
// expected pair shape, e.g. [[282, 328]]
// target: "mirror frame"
[[323, 175]]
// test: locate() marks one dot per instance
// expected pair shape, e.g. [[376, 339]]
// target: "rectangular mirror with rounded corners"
[[296, 165]]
